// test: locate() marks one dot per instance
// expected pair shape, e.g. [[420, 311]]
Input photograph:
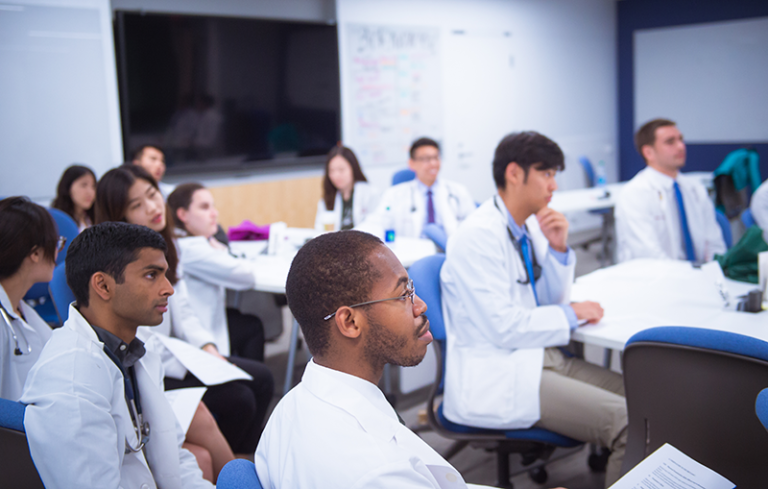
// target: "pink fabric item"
[[248, 231]]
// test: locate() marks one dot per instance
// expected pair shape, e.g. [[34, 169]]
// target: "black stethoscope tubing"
[[7, 320], [133, 399]]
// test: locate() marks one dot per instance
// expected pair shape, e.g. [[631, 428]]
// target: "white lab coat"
[[337, 430], [496, 334], [208, 273], [403, 208], [77, 420], [759, 206], [364, 200], [648, 219], [34, 332]]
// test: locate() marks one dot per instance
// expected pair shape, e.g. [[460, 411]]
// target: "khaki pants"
[[584, 402]]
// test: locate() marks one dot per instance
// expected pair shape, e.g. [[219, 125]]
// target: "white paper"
[[669, 468], [210, 370], [184, 403]]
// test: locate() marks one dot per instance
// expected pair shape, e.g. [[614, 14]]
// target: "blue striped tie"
[[529, 265], [690, 255]]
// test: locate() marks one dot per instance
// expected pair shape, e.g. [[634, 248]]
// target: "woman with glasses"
[[29, 244]]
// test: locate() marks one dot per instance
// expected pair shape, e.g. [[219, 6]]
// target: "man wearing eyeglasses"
[[506, 285], [96, 414], [408, 207], [358, 311]]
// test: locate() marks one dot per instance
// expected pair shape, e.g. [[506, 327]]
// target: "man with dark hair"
[[96, 414], [506, 285], [152, 159], [358, 311], [661, 213], [408, 207]]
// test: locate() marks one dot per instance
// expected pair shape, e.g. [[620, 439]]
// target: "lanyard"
[[532, 269]]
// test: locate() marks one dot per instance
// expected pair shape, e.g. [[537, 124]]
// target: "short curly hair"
[[328, 272]]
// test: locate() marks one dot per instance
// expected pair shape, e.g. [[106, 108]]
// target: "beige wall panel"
[[293, 201]]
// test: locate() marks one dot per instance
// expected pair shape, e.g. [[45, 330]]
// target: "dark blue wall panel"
[[647, 14]]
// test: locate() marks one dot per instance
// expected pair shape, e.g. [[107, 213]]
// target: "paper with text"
[[669, 468]]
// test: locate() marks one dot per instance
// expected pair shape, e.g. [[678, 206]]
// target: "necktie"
[[690, 255], [529, 265], [430, 208]]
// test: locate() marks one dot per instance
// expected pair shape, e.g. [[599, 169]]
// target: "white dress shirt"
[[31, 335], [337, 430], [648, 219]]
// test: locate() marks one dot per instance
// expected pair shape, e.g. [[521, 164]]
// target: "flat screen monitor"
[[222, 94]]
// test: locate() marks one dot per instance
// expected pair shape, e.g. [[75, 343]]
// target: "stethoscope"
[[451, 197], [132, 397], [519, 248], [7, 319]]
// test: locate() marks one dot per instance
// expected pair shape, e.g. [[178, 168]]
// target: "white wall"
[[556, 74], [58, 93]]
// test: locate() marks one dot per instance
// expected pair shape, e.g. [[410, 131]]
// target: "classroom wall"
[[555, 72], [639, 16]]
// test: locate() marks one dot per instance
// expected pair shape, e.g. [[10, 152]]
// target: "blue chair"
[[238, 474], [747, 219], [695, 389], [725, 227], [761, 407], [532, 443], [61, 294], [67, 228], [401, 176], [436, 234], [16, 464]]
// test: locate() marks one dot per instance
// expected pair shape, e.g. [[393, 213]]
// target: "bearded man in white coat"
[[662, 213], [506, 283], [427, 199], [96, 414], [358, 311]]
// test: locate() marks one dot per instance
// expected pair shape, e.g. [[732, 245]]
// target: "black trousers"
[[238, 406]]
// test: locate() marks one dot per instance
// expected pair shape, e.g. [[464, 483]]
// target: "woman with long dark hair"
[[29, 244], [130, 194], [347, 196], [76, 193]]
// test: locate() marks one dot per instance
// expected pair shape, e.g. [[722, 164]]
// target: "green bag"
[[740, 262]]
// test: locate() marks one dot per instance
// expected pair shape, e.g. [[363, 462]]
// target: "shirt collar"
[[423, 188], [6, 303], [517, 231], [661, 178], [128, 354]]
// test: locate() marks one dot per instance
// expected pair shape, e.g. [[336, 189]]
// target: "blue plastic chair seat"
[[539, 435], [12, 415], [239, 474], [761, 407]]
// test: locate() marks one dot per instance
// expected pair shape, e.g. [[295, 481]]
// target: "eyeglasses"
[[60, 243], [410, 293], [427, 159]]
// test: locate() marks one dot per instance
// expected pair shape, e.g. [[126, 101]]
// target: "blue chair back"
[[61, 294], [425, 274], [238, 474], [67, 228], [725, 227], [588, 171], [747, 219], [436, 234], [12, 415], [695, 389], [761, 407], [401, 176]]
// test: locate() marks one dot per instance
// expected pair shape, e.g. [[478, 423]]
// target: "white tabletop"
[[641, 294], [272, 270], [585, 199]]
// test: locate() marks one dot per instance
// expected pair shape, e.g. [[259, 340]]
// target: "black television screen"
[[220, 93]]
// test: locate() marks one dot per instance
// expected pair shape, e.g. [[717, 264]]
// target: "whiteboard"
[[709, 78], [394, 81]]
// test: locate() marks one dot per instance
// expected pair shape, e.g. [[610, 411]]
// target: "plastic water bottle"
[[389, 227], [600, 173]]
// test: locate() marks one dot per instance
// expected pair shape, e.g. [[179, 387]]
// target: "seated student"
[[506, 284], [152, 159], [75, 194], [759, 206], [96, 414], [662, 213], [209, 269], [358, 311], [29, 244], [347, 196], [129, 194], [409, 206]]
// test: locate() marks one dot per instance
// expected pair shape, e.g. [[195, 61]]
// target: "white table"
[[586, 199], [641, 294], [272, 272]]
